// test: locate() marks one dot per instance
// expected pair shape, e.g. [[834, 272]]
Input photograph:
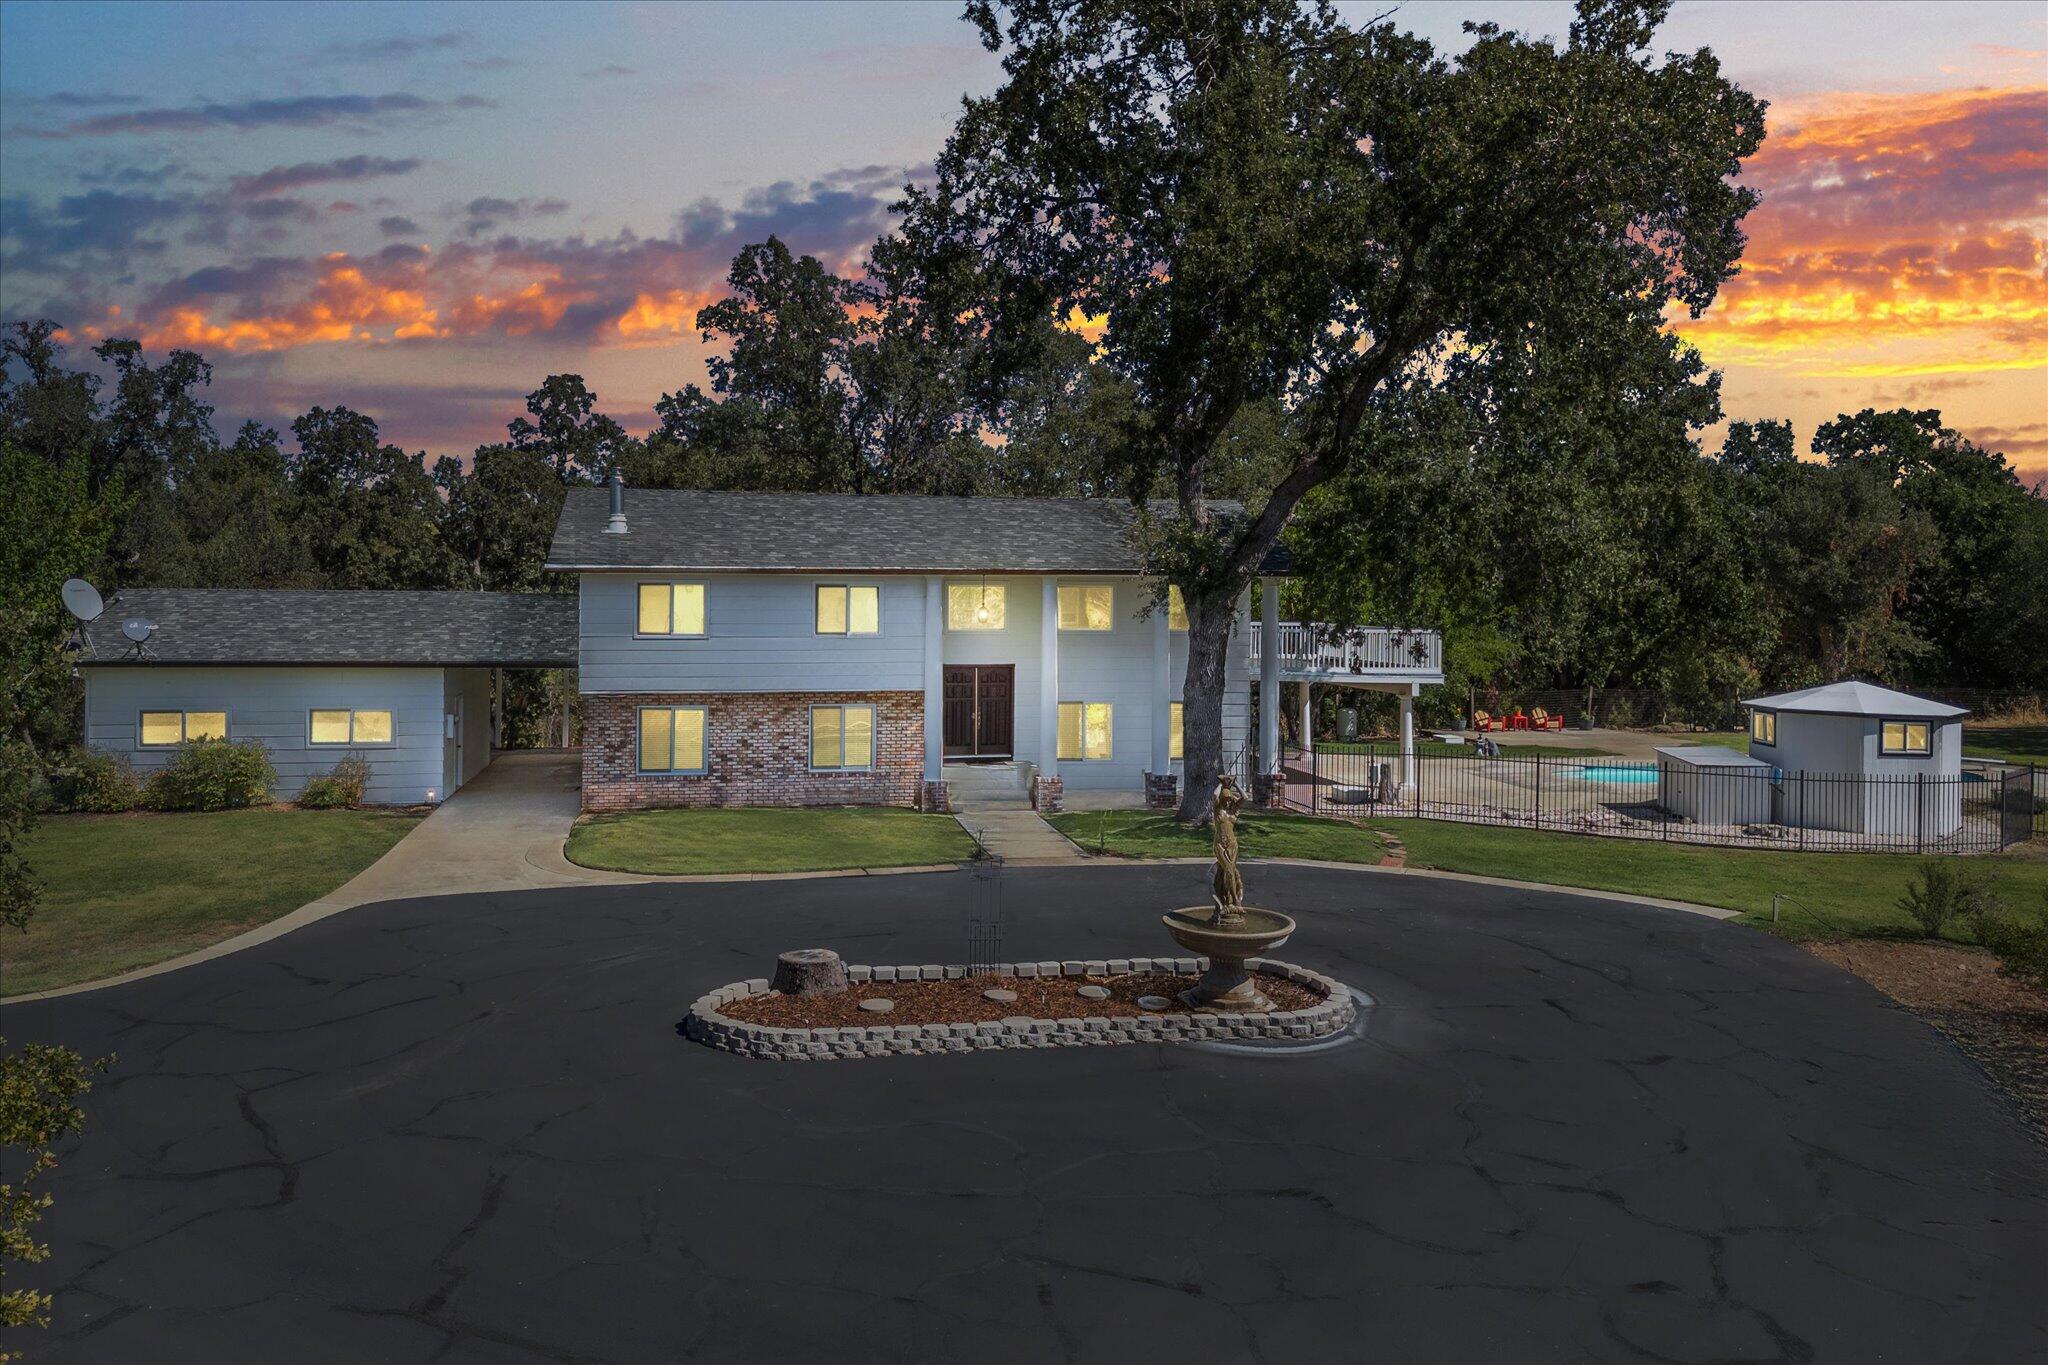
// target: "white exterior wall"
[[274, 705], [466, 702], [1836, 745]]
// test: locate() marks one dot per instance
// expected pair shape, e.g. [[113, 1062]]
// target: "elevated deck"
[[1364, 656]]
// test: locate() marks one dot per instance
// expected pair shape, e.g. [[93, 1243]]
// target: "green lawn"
[[1146, 834], [2012, 743], [820, 839], [1436, 748], [1831, 893], [1738, 740], [124, 891]]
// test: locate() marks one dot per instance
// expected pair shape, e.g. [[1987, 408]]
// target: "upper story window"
[[342, 726], [160, 728], [1088, 606], [975, 606], [842, 737], [671, 609], [849, 609], [1907, 737], [1176, 609], [1763, 726]]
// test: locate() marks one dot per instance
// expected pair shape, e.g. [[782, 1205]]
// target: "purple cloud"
[[281, 178], [298, 111]]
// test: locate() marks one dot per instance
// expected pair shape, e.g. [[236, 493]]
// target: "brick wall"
[[757, 752]]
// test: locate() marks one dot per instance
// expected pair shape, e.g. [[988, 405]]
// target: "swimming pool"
[[1618, 774]]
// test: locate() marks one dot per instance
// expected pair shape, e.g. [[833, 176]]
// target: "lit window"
[[349, 727], [1090, 606], [849, 610], [1173, 724], [671, 609], [842, 736], [1908, 737], [163, 728], [1176, 609], [974, 606], [1763, 726], [672, 739], [1084, 730]]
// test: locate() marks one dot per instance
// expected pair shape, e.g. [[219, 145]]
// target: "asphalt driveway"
[[464, 1129]]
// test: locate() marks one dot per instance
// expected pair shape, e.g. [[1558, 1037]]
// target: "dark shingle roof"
[[838, 533], [295, 626]]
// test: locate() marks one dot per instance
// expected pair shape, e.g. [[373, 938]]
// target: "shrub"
[[1945, 894], [96, 782], [212, 774], [2020, 942], [341, 787]]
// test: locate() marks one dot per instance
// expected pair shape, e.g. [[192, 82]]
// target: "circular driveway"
[[464, 1128]]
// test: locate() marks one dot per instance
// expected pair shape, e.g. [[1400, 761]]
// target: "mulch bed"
[[2002, 1024], [959, 1001]]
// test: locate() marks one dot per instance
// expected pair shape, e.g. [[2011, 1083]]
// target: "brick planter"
[[1048, 795], [714, 1029], [1162, 791]]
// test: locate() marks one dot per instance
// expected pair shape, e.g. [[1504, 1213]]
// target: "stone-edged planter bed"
[[940, 1009]]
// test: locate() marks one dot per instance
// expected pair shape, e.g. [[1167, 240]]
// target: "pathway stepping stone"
[[876, 1004], [1153, 1002], [1093, 992], [999, 995]]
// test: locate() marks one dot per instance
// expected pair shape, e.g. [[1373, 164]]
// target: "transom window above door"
[[975, 606], [175, 727], [844, 609], [671, 609], [1087, 606]]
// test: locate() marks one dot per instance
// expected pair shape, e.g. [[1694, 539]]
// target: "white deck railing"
[[1310, 647]]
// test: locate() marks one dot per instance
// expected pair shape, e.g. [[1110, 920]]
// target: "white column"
[[1408, 738], [1308, 713], [1049, 677], [934, 678], [497, 708], [1269, 676], [1162, 692]]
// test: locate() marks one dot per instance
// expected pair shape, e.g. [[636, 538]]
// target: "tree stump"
[[809, 971]]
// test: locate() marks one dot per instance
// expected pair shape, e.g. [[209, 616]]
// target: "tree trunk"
[[809, 971], [1209, 622]]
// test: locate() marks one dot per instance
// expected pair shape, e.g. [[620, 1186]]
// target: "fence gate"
[[2016, 797]]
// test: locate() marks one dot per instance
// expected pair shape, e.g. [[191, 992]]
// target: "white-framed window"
[[1084, 731], [672, 739], [976, 606], [1906, 738], [1087, 606], [842, 738], [849, 609], [1763, 726], [669, 609], [162, 729], [343, 725], [1176, 714], [1176, 609]]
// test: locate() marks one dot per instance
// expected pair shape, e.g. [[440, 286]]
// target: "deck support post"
[[1308, 718], [1408, 737]]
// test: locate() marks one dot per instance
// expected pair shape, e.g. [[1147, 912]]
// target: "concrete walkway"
[[1007, 827]]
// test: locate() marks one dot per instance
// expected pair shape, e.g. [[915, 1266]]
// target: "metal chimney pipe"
[[617, 525]]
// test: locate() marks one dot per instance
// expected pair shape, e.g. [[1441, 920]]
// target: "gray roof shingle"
[[688, 529], [320, 626]]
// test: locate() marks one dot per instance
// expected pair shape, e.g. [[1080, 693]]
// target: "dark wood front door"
[[980, 712]]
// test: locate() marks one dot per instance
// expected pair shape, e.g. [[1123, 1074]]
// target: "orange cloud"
[[672, 313]]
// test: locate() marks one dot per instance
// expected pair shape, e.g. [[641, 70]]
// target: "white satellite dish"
[[82, 599], [138, 628]]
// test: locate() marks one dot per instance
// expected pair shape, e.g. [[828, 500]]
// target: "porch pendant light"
[[981, 611]]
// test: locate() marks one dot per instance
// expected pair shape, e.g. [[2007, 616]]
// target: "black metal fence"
[[1986, 809]]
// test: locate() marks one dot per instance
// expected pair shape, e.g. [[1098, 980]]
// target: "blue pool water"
[[1618, 774]]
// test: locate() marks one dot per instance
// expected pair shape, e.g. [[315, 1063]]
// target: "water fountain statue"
[[1231, 931]]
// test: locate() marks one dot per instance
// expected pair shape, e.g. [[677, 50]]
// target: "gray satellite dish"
[[138, 628], [82, 599]]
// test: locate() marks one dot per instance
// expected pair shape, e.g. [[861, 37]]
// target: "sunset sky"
[[419, 211]]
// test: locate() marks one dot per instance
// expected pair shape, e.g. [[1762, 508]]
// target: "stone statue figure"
[[1228, 888]]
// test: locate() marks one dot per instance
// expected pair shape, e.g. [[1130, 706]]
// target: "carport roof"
[[328, 626], [1857, 699]]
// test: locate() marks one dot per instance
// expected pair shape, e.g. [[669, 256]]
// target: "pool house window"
[[1763, 726], [1088, 606], [161, 729], [1084, 731], [975, 606], [849, 609], [671, 609], [842, 737], [1906, 738], [344, 726], [672, 739]]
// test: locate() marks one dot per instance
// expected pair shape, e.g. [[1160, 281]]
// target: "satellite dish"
[[138, 628], [82, 599]]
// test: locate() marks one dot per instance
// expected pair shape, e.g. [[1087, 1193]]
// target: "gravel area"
[[959, 1000], [2001, 1023]]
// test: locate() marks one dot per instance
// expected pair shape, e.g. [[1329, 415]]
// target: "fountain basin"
[[1227, 986]]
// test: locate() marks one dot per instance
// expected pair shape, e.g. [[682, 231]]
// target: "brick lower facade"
[[757, 752]]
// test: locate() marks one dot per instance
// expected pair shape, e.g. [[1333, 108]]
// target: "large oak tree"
[[1261, 204]]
